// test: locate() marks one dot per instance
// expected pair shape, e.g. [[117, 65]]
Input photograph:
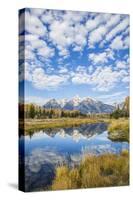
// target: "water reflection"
[[47, 149]]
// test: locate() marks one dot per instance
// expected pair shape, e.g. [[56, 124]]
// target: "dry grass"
[[119, 129], [94, 171], [37, 124]]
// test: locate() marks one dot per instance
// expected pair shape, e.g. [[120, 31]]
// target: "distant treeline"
[[32, 111], [121, 112], [37, 112]]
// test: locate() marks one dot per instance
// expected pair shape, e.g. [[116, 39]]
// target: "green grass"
[[94, 171], [38, 124], [118, 130]]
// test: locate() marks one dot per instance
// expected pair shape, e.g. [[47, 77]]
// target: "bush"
[[119, 130], [94, 171]]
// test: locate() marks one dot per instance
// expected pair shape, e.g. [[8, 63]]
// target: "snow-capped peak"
[[76, 100], [62, 102]]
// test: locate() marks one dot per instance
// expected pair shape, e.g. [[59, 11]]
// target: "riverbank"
[[94, 171], [38, 124], [118, 129]]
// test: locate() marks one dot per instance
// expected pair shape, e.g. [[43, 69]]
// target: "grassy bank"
[[94, 171], [118, 130], [38, 124]]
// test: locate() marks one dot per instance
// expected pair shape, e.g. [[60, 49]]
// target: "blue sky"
[[70, 53]]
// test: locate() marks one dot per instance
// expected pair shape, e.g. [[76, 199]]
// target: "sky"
[[70, 53]]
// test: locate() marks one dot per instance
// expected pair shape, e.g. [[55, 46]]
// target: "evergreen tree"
[[32, 111]]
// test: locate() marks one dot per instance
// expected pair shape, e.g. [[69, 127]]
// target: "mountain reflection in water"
[[49, 148]]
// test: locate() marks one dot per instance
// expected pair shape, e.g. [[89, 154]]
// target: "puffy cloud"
[[33, 25], [47, 17], [63, 70], [41, 80], [97, 35], [126, 42], [91, 24], [96, 21], [117, 43], [120, 27], [102, 79], [63, 52], [105, 79], [114, 20], [102, 57], [120, 43], [37, 12], [80, 78], [103, 26], [46, 52], [64, 34], [121, 64], [98, 58]]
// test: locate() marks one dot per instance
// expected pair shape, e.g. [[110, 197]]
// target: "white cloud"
[[80, 78], [98, 20], [27, 72], [29, 54], [120, 27], [46, 52], [100, 26], [43, 81], [102, 79], [98, 58], [63, 35], [63, 70], [97, 35], [33, 25], [120, 43], [33, 47], [126, 42], [117, 43], [105, 79], [91, 24], [121, 64], [110, 54], [37, 43], [70, 31], [114, 19], [101, 58], [63, 52], [37, 12], [47, 17]]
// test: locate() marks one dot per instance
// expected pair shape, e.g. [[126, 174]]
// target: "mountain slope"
[[86, 105]]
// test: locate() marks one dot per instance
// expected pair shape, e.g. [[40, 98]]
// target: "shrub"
[[119, 130], [94, 171]]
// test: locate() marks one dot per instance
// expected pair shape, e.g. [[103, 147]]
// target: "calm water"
[[47, 149]]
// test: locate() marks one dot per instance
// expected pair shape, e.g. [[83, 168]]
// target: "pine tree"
[[32, 111]]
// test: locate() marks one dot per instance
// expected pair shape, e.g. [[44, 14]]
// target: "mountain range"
[[85, 105]]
